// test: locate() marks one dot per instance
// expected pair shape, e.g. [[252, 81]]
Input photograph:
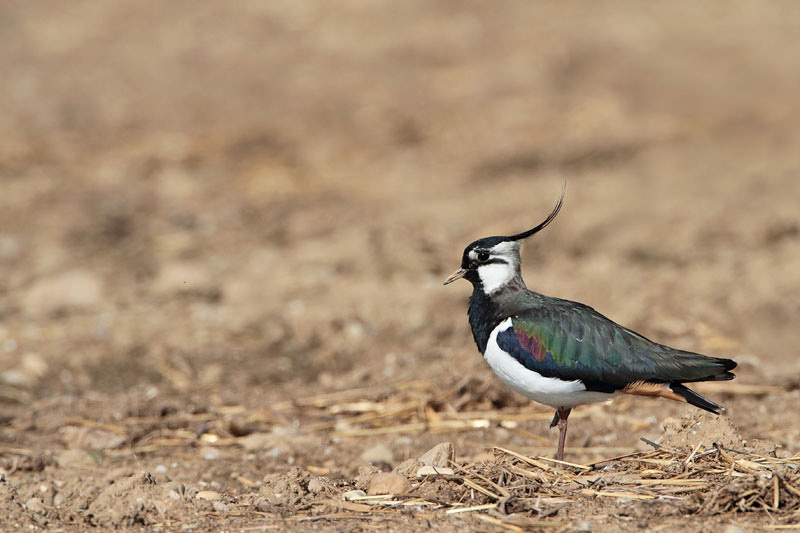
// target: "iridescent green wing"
[[571, 341]]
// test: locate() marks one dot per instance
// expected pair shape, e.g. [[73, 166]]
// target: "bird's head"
[[492, 262]]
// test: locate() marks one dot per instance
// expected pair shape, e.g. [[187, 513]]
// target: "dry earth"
[[224, 227]]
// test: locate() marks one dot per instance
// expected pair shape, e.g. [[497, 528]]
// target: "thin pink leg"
[[562, 414]]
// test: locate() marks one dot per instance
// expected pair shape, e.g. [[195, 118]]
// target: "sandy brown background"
[[211, 209]]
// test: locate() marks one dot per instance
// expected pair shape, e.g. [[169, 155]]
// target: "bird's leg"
[[560, 420]]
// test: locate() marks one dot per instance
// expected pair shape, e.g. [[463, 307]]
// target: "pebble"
[[428, 470], [220, 507], [353, 495], [35, 505], [388, 483], [209, 495], [273, 453], [439, 455], [263, 505], [583, 527], [365, 475], [316, 485]]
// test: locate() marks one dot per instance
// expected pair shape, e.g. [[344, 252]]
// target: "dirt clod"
[[129, 501], [285, 489], [700, 429], [388, 483]]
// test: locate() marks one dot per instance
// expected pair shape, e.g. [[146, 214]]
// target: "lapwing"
[[562, 353]]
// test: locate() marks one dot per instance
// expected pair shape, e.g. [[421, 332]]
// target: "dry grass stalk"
[[707, 481]]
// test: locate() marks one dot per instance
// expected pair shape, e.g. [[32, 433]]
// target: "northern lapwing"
[[563, 353]]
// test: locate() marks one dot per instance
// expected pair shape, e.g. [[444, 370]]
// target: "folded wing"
[[571, 341]]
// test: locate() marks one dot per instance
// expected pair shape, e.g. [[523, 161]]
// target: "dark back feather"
[[572, 341]]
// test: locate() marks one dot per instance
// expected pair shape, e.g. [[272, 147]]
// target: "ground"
[[224, 228]]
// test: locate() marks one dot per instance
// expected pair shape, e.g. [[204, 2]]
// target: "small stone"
[[209, 453], [179, 491], [408, 467], [273, 453], [377, 454], [365, 475], [161, 469], [428, 470], [35, 505], [220, 507], [353, 495], [209, 495], [388, 483], [583, 527], [263, 505], [315, 485], [440, 455]]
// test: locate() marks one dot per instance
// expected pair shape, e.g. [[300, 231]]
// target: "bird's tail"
[[695, 399]]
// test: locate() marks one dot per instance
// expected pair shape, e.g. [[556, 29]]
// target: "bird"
[[562, 353]]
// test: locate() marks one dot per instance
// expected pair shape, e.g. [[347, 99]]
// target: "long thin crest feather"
[[544, 223]]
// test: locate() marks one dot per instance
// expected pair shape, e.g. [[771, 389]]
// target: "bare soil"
[[224, 228]]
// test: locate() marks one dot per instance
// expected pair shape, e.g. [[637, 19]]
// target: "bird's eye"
[[483, 256]]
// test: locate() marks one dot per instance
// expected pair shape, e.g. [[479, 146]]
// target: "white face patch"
[[495, 275]]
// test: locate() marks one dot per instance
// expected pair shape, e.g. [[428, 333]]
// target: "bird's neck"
[[486, 310]]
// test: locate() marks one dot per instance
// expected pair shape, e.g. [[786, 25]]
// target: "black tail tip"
[[695, 399]]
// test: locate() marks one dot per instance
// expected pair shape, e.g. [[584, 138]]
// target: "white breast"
[[549, 391]]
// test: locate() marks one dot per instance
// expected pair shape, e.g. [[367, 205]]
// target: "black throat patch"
[[484, 316]]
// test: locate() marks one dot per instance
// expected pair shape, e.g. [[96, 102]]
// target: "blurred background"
[[238, 203]]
